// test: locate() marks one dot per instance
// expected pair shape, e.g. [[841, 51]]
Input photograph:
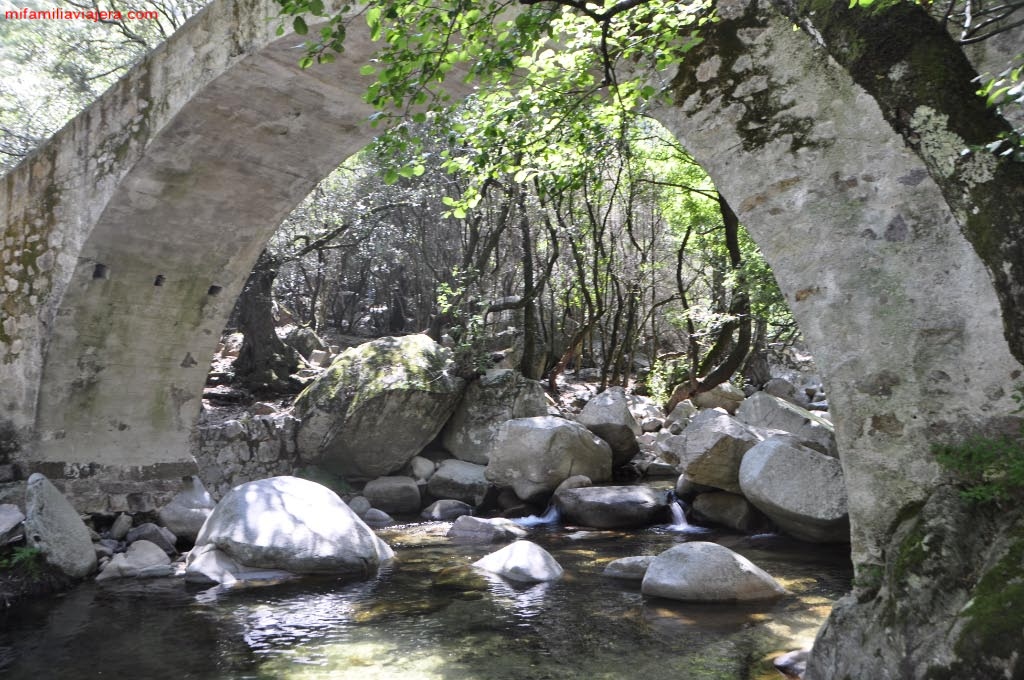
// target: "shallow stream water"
[[431, 617]]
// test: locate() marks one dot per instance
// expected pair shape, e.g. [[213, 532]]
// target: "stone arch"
[[144, 216], [181, 172]]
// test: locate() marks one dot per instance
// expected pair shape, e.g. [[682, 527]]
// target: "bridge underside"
[[129, 235]]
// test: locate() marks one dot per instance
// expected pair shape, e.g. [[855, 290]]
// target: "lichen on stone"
[[946, 152]]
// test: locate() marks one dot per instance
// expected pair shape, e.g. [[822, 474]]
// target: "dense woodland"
[[547, 203]]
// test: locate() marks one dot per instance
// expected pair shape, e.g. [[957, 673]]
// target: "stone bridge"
[[128, 236]]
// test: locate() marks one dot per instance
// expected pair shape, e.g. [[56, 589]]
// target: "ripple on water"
[[431, 616]]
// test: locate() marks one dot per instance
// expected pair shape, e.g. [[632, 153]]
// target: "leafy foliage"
[[25, 558], [1002, 91], [60, 67], [992, 467]]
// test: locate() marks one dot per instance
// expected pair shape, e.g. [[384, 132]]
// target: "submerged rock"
[[522, 561], [485, 530], [288, 524], [377, 406], [53, 527], [629, 568], [707, 572]]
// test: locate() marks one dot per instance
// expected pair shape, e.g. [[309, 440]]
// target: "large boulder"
[[140, 555], [446, 510], [460, 480], [522, 561], [710, 450], [608, 416], [186, 513], [284, 523], [499, 395], [610, 507], [770, 412], [55, 529], [162, 537], [801, 490], [726, 396], [707, 572], [727, 509], [534, 455], [11, 528], [395, 494], [679, 418], [377, 406]]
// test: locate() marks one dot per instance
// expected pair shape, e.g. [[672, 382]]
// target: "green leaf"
[[299, 26], [390, 176], [367, 70]]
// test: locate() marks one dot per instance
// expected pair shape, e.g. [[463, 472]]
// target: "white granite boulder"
[[288, 524], [608, 416], [395, 494], [800, 489], [679, 418], [377, 406], [460, 480], [770, 412], [55, 529], [726, 396], [534, 455], [499, 395], [707, 572], [140, 555], [710, 450], [187, 511], [522, 561]]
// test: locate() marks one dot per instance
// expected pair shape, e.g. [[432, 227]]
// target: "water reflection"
[[524, 602], [430, 616]]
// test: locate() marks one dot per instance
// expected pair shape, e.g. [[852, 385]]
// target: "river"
[[430, 617]]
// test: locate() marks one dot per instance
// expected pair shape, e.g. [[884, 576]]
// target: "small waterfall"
[[677, 506], [550, 516], [678, 515]]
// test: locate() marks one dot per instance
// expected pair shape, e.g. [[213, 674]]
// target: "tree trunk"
[[264, 362]]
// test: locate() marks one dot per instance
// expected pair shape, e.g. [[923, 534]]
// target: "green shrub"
[[25, 558]]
